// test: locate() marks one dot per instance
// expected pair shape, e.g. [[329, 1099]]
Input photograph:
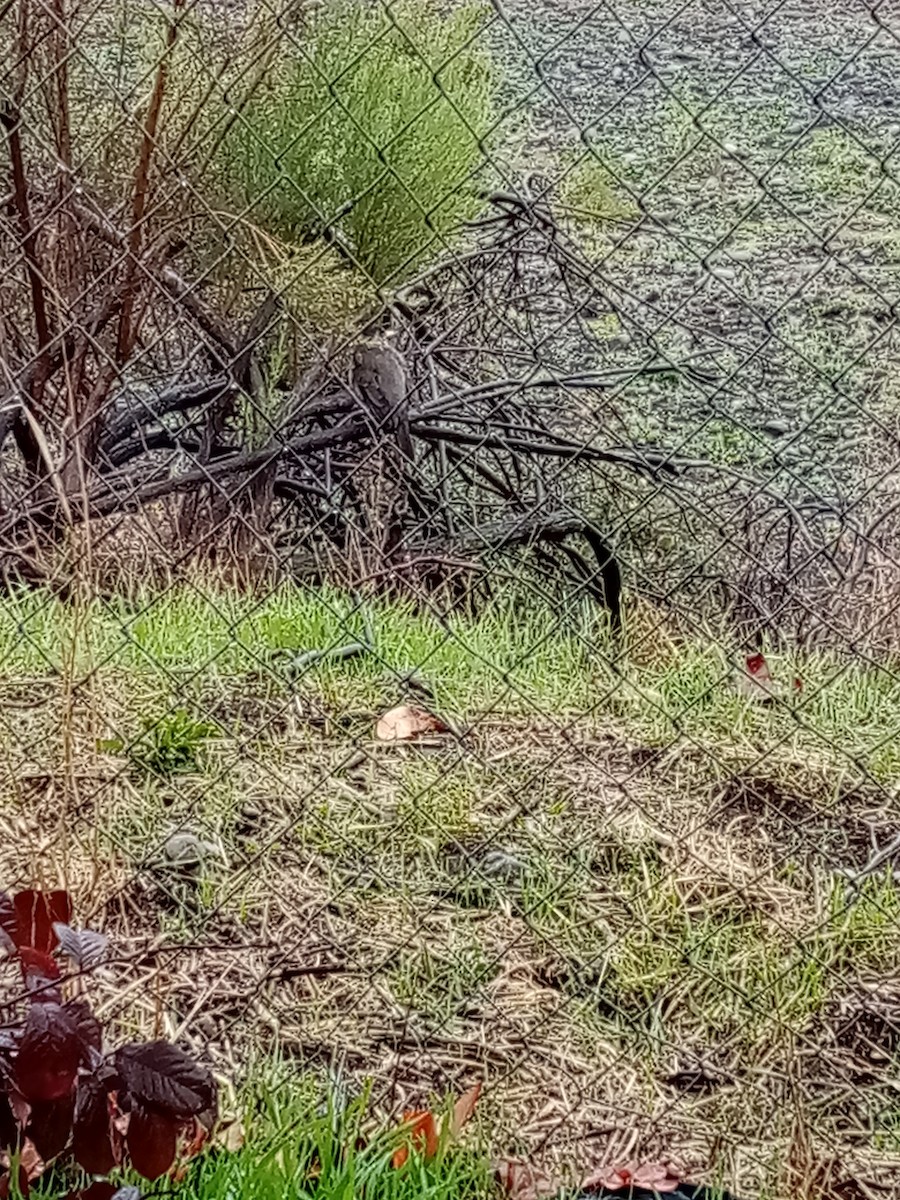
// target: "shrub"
[[372, 127], [63, 1094]]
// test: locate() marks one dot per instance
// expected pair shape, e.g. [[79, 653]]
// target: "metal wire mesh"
[[447, 512]]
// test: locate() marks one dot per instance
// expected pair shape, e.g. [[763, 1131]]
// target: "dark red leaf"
[[9, 1126], [50, 1124], [40, 973], [96, 1144], [85, 947], [158, 1075], [152, 1139], [36, 913], [49, 1053], [90, 1035]]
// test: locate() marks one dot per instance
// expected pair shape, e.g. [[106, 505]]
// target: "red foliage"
[[152, 1141], [36, 912], [49, 1053], [59, 1093]]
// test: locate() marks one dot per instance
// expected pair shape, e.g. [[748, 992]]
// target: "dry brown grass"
[[643, 953]]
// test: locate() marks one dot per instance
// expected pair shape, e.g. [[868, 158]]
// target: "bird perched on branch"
[[381, 381]]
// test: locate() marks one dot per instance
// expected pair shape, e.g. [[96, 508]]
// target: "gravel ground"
[[754, 142]]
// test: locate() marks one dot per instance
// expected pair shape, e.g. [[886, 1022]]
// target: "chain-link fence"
[[448, 504]]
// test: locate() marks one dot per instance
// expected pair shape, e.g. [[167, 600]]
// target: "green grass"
[[300, 1143], [170, 744], [509, 658], [303, 1139]]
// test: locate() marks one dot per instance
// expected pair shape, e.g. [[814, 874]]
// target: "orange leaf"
[[406, 722], [423, 1130], [423, 1135]]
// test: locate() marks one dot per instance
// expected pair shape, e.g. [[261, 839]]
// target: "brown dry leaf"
[[228, 1135], [463, 1109], [521, 1180], [406, 722]]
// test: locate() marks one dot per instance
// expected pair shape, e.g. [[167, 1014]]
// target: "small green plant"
[[372, 129], [259, 416], [172, 744]]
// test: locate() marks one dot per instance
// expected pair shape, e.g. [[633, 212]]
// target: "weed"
[[591, 190], [171, 745]]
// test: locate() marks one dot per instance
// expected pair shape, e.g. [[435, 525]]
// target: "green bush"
[[371, 125]]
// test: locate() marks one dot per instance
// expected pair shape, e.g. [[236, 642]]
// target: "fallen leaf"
[[463, 1110], [422, 1127], [521, 1180], [757, 683], [653, 1177], [406, 722], [423, 1135]]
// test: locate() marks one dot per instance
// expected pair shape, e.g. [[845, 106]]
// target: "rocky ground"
[[752, 148]]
